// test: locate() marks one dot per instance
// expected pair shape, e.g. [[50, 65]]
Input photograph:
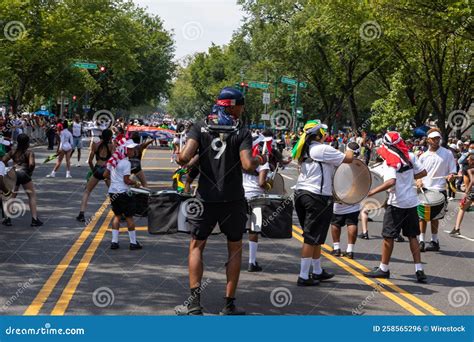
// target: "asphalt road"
[[67, 268]]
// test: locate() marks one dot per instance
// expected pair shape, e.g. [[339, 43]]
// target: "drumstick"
[[441, 177], [423, 192]]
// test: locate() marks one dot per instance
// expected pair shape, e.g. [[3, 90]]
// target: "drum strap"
[[311, 160]]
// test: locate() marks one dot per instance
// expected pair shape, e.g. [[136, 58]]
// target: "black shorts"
[[231, 216], [22, 177], [396, 220], [341, 220], [123, 204], [314, 213], [98, 172]]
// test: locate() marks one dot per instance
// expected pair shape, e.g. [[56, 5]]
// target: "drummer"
[[438, 162], [401, 167], [122, 202], [344, 215], [313, 196], [254, 185]]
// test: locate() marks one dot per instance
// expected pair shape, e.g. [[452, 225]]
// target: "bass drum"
[[278, 187], [272, 216], [351, 182], [379, 200], [167, 212]]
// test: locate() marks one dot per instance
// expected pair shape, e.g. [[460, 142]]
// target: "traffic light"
[[102, 69], [293, 99], [74, 98]]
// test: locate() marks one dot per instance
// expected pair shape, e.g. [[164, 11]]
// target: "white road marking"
[[460, 236]]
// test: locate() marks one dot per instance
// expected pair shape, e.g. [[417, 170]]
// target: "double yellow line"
[[68, 292], [45, 292], [399, 295]]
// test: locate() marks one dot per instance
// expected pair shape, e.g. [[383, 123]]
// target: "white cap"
[[453, 146], [130, 144], [434, 134]]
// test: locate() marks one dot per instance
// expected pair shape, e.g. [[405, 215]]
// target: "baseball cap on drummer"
[[130, 144], [230, 97]]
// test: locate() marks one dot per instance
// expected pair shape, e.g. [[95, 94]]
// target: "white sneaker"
[[51, 175], [451, 198], [68, 175]]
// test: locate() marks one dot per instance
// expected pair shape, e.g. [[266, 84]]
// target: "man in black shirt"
[[224, 149]]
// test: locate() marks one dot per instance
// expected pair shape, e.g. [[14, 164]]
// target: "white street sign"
[[266, 98]]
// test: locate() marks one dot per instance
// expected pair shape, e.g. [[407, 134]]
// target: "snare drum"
[[272, 216], [165, 212], [432, 205], [140, 196], [351, 182], [10, 181], [378, 200]]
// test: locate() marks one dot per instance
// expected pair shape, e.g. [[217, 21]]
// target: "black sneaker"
[[307, 282], [336, 252], [455, 232], [231, 310], [349, 255], [184, 310], [81, 217], [114, 245], [135, 246], [323, 276], [7, 222], [254, 267], [377, 273], [399, 238], [364, 236], [421, 276], [35, 222], [422, 246], [432, 246]]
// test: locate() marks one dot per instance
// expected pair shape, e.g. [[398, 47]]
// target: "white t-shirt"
[[66, 140], [76, 129], [341, 208], [2, 169], [250, 182], [117, 185], [437, 164], [310, 176], [403, 194]]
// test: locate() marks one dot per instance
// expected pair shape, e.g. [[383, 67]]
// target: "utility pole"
[[62, 105]]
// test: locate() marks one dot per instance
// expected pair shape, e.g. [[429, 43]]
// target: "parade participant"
[[364, 220], [468, 197], [66, 142], [77, 132], [344, 215], [255, 184], [401, 168], [313, 196], [120, 198], [175, 147], [224, 149], [101, 151], [136, 160], [438, 162], [24, 165]]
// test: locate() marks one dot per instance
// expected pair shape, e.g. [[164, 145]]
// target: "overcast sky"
[[196, 23]]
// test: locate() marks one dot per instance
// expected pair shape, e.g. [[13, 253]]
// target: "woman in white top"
[[313, 196], [66, 142]]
